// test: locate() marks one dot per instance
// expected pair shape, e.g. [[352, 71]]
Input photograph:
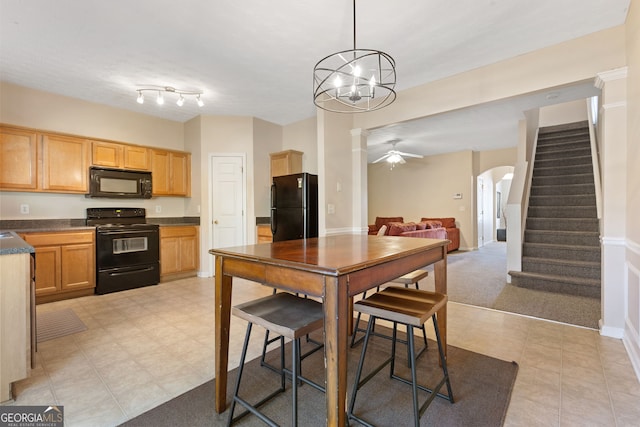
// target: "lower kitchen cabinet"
[[65, 264], [179, 252]]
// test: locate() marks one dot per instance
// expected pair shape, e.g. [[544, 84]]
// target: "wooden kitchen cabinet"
[[121, 156], [171, 171], [65, 164], [18, 159], [65, 264], [286, 163], [264, 233], [179, 251]]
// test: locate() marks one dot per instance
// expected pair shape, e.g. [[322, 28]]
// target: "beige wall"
[[567, 112], [632, 264], [267, 138], [425, 188], [573, 61], [302, 136]]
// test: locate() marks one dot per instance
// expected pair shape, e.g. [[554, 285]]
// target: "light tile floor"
[[148, 345]]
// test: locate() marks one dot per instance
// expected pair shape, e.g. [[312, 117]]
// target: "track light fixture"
[[161, 90]]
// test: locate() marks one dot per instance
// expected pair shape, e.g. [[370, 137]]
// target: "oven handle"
[[128, 231], [124, 273]]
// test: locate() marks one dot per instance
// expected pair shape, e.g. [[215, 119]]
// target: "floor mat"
[[56, 324]]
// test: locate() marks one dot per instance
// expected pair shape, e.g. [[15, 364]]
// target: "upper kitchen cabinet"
[[286, 163], [171, 172], [65, 164], [18, 159], [122, 156]]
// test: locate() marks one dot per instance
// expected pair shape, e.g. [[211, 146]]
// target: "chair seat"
[[411, 278], [409, 306], [283, 313]]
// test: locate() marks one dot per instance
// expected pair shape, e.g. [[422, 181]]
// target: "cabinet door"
[[106, 154], [18, 159], [286, 163], [188, 253], [136, 157], [160, 172], [169, 255], [47, 270], [65, 164], [77, 267], [180, 174]]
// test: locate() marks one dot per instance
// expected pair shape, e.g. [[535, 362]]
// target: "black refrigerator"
[[294, 207]]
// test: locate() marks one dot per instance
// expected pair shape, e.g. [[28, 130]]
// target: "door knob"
[[215, 221]]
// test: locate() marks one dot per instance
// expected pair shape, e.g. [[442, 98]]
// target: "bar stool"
[[279, 338], [291, 317], [410, 307], [412, 278]]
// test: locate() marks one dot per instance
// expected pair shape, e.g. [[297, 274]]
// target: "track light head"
[[161, 90]]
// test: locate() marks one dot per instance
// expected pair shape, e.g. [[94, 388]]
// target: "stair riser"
[[581, 126], [564, 200], [562, 212], [563, 170], [561, 288], [546, 141], [564, 180], [531, 236], [562, 253], [568, 149], [561, 270], [563, 190], [559, 162], [563, 224]]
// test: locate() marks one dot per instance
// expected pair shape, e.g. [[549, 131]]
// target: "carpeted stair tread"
[[563, 200], [553, 261], [559, 284]]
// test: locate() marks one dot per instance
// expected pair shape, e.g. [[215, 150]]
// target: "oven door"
[[127, 246]]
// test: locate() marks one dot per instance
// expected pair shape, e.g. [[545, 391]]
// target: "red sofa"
[[453, 232], [413, 229], [436, 228]]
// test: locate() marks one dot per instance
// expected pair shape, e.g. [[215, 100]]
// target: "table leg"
[[223, 321], [440, 278], [336, 309]]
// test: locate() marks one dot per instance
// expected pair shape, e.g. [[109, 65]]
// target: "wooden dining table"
[[333, 268]]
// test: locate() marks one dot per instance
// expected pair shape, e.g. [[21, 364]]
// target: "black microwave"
[[119, 183]]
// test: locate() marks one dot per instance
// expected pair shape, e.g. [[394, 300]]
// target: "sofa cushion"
[[397, 228], [446, 222], [421, 225], [382, 220], [433, 224]]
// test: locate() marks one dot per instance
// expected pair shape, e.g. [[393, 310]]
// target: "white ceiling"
[[256, 57]]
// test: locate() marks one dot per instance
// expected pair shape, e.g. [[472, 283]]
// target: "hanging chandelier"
[[161, 90], [354, 81]]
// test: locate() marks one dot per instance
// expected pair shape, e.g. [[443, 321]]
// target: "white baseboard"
[[608, 331], [632, 346]]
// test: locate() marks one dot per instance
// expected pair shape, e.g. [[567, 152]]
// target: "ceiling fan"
[[394, 156]]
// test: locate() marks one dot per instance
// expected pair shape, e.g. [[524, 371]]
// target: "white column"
[[359, 180], [613, 157]]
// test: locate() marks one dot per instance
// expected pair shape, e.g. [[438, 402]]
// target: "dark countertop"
[[11, 243], [263, 220], [44, 225]]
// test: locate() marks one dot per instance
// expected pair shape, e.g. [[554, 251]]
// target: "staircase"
[[561, 249]]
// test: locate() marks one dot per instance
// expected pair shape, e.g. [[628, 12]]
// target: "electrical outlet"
[[24, 209], [158, 208]]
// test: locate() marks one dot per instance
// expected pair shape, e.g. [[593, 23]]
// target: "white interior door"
[[228, 201]]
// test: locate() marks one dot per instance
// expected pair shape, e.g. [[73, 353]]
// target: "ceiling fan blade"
[[381, 158], [417, 156]]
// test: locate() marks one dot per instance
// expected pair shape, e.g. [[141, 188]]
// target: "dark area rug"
[[481, 386]]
